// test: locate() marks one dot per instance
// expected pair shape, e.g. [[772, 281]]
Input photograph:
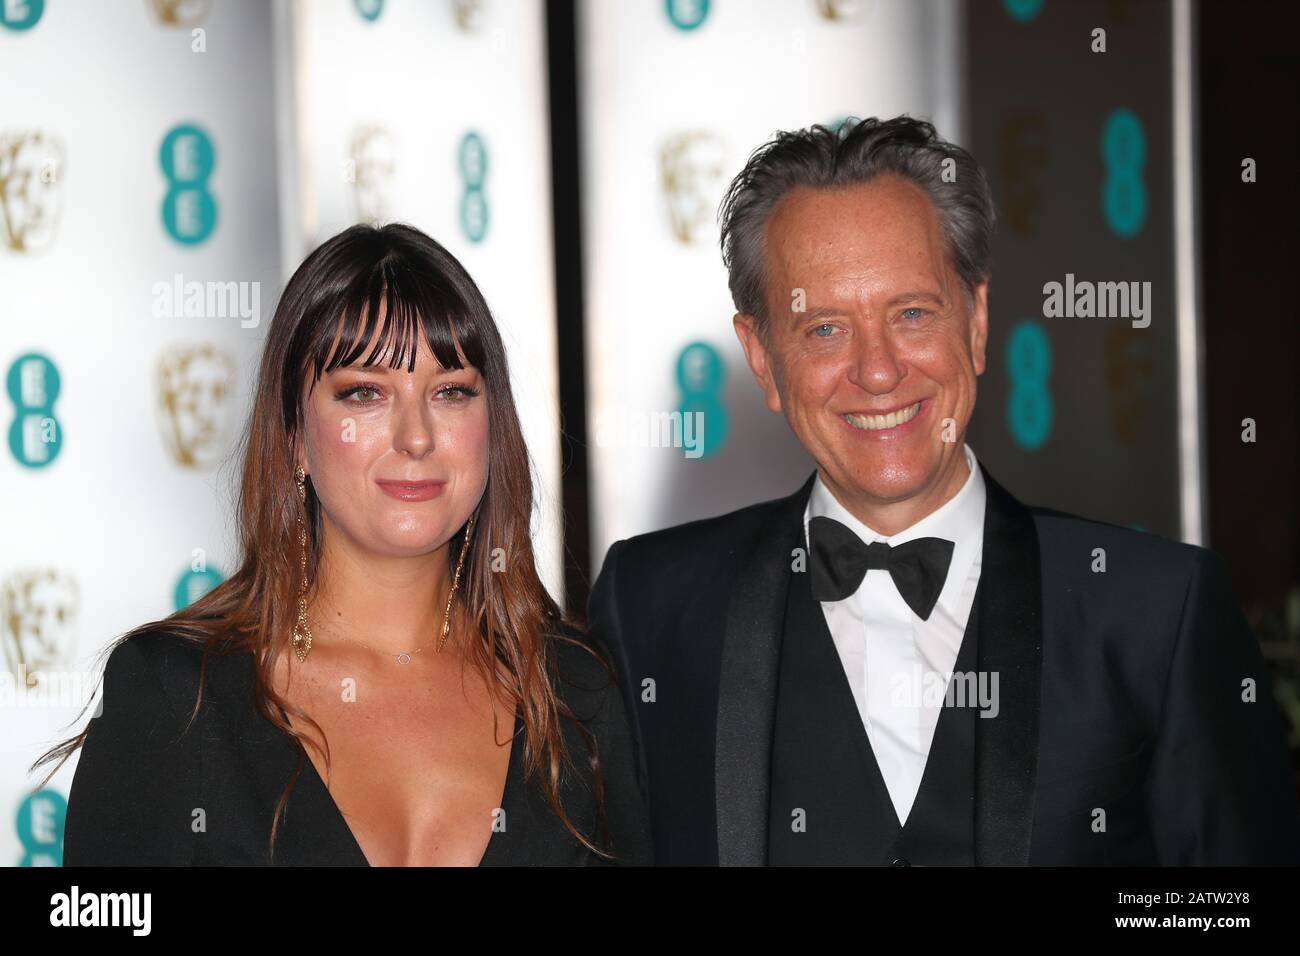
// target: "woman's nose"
[[413, 431]]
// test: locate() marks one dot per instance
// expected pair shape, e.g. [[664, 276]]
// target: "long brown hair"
[[317, 327]]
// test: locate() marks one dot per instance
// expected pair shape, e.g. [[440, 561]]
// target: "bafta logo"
[[693, 169], [195, 388], [373, 161], [31, 173], [38, 608], [468, 14], [179, 13]]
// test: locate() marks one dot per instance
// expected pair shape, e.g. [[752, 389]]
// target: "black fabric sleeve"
[[625, 806], [606, 626], [1221, 789], [135, 793]]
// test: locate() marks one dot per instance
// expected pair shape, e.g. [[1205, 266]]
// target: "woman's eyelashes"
[[348, 393], [461, 393], [451, 392]]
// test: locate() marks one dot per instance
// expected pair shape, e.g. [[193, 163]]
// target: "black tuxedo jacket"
[[141, 775], [1120, 690]]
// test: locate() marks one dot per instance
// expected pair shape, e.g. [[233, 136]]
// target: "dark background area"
[[1250, 259]]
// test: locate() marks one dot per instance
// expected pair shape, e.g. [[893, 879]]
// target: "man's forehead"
[[852, 235], [862, 276], [841, 248]]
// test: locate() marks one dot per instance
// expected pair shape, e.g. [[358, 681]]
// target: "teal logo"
[[1022, 10], [369, 10], [193, 584], [473, 163], [19, 15], [700, 376], [35, 435], [189, 211], [686, 14], [40, 828], [1124, 154], [1029, 404]]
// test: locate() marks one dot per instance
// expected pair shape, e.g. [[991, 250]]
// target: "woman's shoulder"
[[138, 776], [145, 659], [593, 688], [161, 663], [585, 676]]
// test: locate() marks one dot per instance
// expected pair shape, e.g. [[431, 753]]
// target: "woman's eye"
[[457, 393], [348, 393]]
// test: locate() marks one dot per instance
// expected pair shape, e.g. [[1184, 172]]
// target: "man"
[[900, 663]]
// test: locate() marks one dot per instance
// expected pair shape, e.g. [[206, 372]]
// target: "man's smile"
[[882, 422]]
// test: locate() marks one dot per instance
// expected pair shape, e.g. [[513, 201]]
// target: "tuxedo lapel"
[[1010, 646], [747, 685]]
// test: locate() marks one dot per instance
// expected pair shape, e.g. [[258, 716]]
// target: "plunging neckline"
[[494, 846]]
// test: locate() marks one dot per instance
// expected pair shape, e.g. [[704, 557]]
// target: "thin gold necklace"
[[405, 656]]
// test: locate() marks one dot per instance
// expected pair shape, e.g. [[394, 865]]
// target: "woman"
[[385, 680]]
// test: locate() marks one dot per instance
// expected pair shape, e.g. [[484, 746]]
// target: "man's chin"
[[886, 482]]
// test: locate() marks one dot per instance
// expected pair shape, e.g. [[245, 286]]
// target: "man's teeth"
[[876, 422]]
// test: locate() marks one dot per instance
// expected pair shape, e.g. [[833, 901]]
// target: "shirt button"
[[901, 862]]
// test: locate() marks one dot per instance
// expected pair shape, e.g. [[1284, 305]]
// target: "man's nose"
[[875, 367]]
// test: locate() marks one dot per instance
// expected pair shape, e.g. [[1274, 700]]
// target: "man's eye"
[[913, 313], [823, 331]]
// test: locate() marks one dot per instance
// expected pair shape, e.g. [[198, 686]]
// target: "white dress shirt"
[[897, 664]]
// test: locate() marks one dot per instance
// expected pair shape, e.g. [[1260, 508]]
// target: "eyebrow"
[[917, 295]]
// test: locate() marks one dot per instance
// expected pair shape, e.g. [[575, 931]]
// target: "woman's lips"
[[412, 490]]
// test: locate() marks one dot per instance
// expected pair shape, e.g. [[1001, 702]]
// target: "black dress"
[[146, 794]]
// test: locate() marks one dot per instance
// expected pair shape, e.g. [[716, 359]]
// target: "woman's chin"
[[409, 543]]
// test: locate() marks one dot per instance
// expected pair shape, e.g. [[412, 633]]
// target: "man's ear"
[[758, 357], [979, 326]]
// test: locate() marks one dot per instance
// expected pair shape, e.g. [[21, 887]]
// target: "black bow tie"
[[840, 560]]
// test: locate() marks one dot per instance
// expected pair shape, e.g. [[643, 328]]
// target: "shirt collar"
[[960, 520]]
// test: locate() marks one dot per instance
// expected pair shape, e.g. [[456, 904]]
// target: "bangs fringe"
[[415, 305]]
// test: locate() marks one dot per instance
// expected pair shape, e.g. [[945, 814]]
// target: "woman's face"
[[371, 432]]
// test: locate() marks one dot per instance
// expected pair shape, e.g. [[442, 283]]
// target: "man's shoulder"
[[1076, 540], [715, 538]]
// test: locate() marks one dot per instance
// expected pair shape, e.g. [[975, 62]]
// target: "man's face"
[[876, 374]]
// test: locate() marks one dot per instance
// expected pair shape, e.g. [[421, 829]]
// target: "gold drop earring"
[[455, 583], [301, 632]]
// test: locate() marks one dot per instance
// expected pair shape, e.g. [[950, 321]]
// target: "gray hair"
[[855, 152]]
